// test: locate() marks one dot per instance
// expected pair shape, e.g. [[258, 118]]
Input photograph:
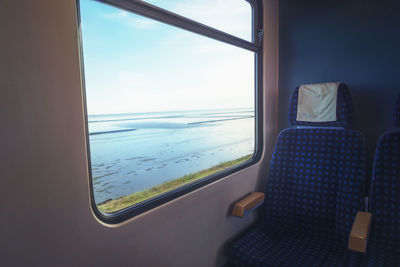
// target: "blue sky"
[[134, 64]]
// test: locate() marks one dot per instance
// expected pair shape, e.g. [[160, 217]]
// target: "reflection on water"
[[133, 152]]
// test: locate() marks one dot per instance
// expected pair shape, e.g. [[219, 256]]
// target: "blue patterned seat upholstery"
[[314, 190], [384, 243], [263, 246]]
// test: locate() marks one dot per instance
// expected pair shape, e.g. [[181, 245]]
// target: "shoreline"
[[114, 205]]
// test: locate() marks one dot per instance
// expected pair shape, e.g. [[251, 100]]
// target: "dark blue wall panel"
[[353, 41]]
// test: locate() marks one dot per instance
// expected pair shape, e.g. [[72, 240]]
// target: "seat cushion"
[[381, 256], [384, 242], [385, 200], [314, 191], [265, 246], [315, 182]]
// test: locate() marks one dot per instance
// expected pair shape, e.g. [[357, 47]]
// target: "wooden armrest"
[[244, 206], [359, 232]]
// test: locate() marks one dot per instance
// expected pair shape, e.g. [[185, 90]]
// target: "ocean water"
[[133, 152]]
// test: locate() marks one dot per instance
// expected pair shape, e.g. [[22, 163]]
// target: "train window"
[[168, 109], [231, 16]]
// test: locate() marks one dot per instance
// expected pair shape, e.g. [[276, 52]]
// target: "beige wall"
[[46, 219]]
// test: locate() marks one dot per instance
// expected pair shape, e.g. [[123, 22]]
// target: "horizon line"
[[165, 111]]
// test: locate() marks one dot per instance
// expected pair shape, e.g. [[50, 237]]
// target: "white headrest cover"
[[317, 102]]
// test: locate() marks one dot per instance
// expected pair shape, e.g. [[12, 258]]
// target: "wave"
[[166, 115], [230, 119], [138, 118], [113, 131], [107, 124]]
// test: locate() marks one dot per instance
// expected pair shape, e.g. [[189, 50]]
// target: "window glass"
[[231, 16], [166, 107]]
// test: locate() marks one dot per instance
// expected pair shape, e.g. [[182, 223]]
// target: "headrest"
[[324, 104], [396, 113]]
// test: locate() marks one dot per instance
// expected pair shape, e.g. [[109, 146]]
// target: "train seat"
[[314, 190], [384, 243]]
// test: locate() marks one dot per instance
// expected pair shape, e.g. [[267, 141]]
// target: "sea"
[[133, 152]]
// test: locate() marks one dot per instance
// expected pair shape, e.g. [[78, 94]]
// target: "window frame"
[[156, 13]]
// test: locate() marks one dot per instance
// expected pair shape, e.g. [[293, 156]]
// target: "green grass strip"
[[127, 201]]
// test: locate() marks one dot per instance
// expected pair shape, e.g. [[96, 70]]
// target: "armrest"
[[359, 232], [247, 204]]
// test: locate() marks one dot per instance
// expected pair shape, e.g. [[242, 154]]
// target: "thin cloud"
[[131, 20], [232, 16]]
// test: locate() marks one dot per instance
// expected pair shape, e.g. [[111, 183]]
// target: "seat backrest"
[[385, 190], [317, 175]]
